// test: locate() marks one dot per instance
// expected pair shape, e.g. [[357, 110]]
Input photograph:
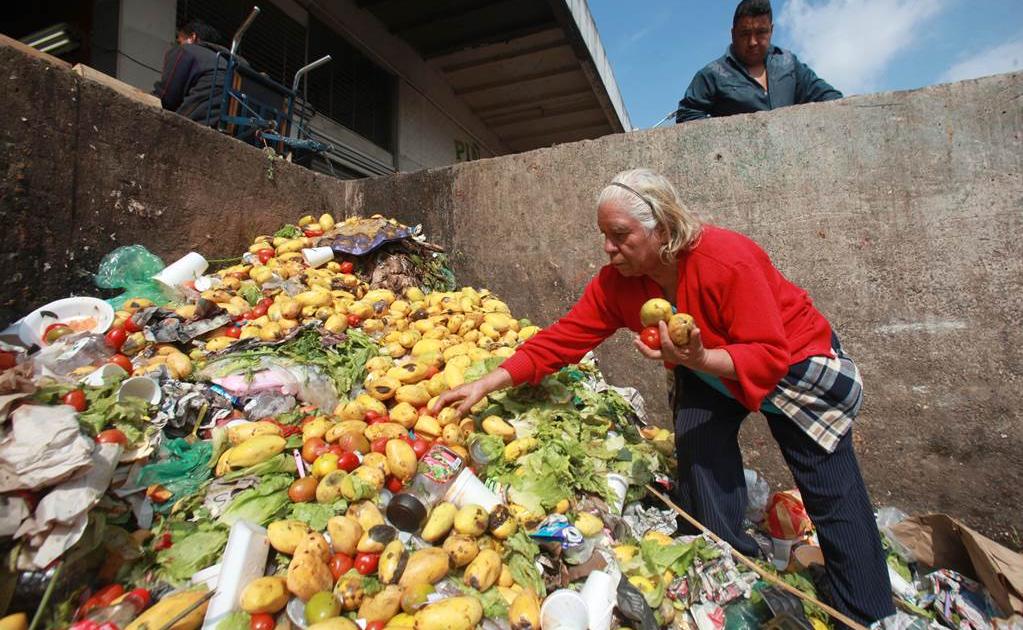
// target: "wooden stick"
[[755, 567]]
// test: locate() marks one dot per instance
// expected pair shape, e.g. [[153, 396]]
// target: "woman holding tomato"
[[758, 344]]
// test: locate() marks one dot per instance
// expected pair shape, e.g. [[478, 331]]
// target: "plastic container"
[[467, 489], [243, 561], [188, 267], [208, 576], [141, 387], [72, 311], [564, 610], [619, 485], [316, 256], [437, 470], [599, 593], [782, 552], [580, 552], [123, 612], [104, 375]]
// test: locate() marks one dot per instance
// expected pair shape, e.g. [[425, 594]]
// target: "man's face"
[[184, 38], [751, 38]]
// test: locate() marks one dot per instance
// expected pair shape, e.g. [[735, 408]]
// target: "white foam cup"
[[619, 485], [316, 256], [104, 375], [141, 387], [564, 610], [467, 489], [600, 595], [782, 552], [243, 561], [189, 267]]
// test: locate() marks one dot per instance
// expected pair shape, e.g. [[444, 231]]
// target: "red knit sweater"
[[740, 302]]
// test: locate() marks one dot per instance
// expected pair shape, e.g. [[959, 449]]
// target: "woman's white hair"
[[653, 201]]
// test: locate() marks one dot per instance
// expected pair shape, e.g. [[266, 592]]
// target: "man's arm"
[[174, 80], [698, 101], [810, 88]]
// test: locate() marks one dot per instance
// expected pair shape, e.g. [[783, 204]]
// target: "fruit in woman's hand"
[[655, 310], [679, 328], [651, 337]]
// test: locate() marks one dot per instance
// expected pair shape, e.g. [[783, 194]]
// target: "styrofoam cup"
[[467, 489], [104, 375], [243, 561], [600, 594], [564, 610], [316, 256], [208, 576], [141, 387], [619, 485], [782, 552], [188, 267]]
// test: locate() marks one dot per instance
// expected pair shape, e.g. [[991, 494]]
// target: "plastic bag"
[[888, 517], [786, 516], [182, 473], [757, 492], [131, 268]]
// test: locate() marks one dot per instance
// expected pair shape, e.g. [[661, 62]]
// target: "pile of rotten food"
[[256, 450]]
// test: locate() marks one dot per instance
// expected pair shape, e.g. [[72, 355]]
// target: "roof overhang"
[[533, 71]]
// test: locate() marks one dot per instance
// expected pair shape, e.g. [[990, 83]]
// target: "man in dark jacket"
[[188, 68], [753, 75]]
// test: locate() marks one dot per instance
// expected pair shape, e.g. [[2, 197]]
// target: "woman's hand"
[[463, 397], [692, 355]]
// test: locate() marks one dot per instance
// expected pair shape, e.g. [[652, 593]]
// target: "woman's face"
[[632, 250]]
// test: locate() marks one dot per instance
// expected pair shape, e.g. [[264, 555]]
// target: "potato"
[[285, 535]]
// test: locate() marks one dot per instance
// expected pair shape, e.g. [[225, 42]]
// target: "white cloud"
[[850, 43], [1005, 57]]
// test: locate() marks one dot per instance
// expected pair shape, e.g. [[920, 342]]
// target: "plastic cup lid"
[[406, 512]]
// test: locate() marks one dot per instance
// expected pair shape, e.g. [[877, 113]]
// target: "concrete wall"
[[428, 138], [146, 30], [901, 214]]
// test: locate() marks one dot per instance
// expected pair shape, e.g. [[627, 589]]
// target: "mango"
[[160, 614], [453, 613], [264, 595], [285, 535]]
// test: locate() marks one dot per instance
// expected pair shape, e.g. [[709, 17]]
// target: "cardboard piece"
[[940, 541]]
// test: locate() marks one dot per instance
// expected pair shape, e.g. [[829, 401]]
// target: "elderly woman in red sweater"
[[758, 345]]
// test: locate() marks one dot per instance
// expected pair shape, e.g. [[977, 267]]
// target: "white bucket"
[[316, 256], [564, 610], [188, 267], [467, 489], [600, 594], [141, 387], [104, 375], [619, 485]]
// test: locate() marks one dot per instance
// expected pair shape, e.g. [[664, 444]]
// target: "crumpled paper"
[[44, 446], [13, 510], [643, 520]]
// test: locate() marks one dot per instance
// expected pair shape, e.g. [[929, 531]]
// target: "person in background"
[[758, 344], [753, 75], [186, 84]]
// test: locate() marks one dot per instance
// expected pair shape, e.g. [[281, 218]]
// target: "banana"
[[524, 612], [472, 520], [501, 524], [440, 522], [255, 450], [483, 572], [462, 549], [518, 448], [392, 562]]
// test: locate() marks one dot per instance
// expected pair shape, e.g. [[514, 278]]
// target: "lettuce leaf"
[[316, 515], [520, 554], [280, 463], [235, 620], [193, 548], [261, 504]]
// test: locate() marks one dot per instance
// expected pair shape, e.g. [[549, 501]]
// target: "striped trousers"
[[712, 487]]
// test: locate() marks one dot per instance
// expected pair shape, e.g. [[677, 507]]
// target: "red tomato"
[[262, 621], [376, 625], [233, 331], [106, 595], [122, 362], [379, 445], [265, 302], [421, 446], [336, 449], [112, 436], [394, 484], [366, 563], [115, 337], [340, 564], [76, 398], [353, 320], [7, 360], [264, 255], [347, 266], [131, 326], [348, 461], [257, 311], [379, 420], [313, 448], [163, 542], [313, 233], [651, 336]]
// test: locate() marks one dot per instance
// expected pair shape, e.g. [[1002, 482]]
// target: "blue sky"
[[859, 46]]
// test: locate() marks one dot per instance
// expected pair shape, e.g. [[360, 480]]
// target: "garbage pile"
[[253, 447]]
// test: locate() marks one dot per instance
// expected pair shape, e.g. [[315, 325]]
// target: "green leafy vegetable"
[[104, 410], [250, 292], [194, 547], [520, 554], [261, 504], [280, 463], [235, 620], [289, 231], [494, 604], [316, 515]]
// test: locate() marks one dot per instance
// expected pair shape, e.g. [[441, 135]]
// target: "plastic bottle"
[[123, 612], [437, 470]]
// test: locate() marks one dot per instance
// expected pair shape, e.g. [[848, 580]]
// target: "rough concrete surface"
[[900, 213]]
